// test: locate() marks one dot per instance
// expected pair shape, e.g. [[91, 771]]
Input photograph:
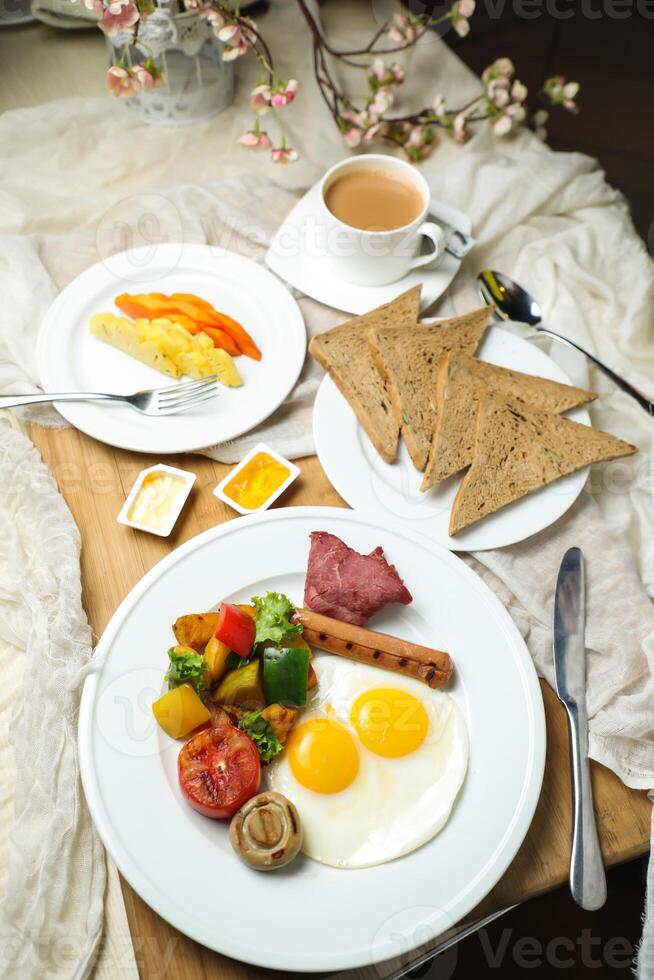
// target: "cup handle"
[[436, 235]]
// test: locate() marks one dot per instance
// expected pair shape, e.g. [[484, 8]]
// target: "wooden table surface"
[[95, 480]]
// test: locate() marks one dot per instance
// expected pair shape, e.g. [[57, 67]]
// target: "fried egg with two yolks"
[[373, 765]]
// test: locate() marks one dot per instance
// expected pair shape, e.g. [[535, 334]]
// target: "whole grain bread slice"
[[461, 381], [408, 361], [345, 354], [518, 450]]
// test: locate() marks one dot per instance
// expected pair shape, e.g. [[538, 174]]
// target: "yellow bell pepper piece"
[[216, 654], [180, 711], [242, 687]]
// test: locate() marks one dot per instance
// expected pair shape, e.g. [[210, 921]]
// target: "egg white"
[[394, 805]]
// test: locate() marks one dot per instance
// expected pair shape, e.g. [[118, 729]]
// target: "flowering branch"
[[363, 119]]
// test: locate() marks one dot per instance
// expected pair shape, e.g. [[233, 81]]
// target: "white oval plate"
[[71, 359], [366, 482], [309, 916]]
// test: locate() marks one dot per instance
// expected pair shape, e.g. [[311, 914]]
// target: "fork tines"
[[185, 396]]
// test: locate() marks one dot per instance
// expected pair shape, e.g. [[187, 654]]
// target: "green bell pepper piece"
[[286, 675]]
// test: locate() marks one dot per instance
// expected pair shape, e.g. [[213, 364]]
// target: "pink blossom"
[[560, 92], [502, 125], [417, 136], [570, 90], [145, 78], [519, 91], [459, 15], [214, 17], [236, 41], [403, 30], [497, 93], [378, 69], [260, 98], [381, 102], [117, 17], [121, 81], [352, 137], [381, 75], [286, 95], [255, 141], [284, 154], [397, 72], [374, 132], [501, 68]]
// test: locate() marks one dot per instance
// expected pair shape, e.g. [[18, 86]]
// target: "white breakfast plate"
[[71, 359], [298, 251], [309, 916], [367, 483]]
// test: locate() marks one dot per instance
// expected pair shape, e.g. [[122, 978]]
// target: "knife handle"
[[587, 876]]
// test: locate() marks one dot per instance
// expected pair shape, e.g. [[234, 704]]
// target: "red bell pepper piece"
[[235, 629]]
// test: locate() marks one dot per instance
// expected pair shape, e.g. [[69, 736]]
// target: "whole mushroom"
[[266, 832]]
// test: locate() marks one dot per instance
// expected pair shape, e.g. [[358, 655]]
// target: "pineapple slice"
[[121, 333], [222, 364], [203, 341], [166, 347], [194, 364]]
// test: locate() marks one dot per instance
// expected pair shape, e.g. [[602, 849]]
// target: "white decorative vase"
[[197, 83]]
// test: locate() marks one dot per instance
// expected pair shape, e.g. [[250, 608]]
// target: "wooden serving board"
[[95, 480]]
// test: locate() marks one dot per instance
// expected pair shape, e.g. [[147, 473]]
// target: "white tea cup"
[[372, 257]]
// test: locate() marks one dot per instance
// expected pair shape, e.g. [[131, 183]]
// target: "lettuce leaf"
[[186, 667], [273, 619], [262, 734]]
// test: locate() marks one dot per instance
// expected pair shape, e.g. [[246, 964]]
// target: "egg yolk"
[[389, 722], [323, 756]]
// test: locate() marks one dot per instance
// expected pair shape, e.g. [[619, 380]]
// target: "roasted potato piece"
[[195, 630], [233, 712], [280, 719]]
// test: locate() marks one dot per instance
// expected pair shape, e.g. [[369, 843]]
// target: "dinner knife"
[[587, 877]]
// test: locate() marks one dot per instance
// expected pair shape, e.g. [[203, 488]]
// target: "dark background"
[[612, 58]]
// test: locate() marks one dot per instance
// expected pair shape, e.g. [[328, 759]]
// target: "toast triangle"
[[345, 354], [408, 361], [518, 450], [461, 381]]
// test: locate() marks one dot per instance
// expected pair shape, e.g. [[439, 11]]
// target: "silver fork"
[[155, 401]]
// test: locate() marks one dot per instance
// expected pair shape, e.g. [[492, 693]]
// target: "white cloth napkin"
[[548, 219], [52, 907]]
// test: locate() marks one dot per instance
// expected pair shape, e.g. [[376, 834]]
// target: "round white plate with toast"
[[355, 469], [72, 359], [301, 918]]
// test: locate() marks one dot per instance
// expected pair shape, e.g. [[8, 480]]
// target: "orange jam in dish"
[[257, 481]]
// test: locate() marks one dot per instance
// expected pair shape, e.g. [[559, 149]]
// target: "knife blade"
[[587, 876]]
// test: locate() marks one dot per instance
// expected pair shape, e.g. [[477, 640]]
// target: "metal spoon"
[[512, 302]]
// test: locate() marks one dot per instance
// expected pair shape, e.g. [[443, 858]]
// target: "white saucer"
[[298, 251]]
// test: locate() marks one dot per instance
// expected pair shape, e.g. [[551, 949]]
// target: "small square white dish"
[[297, 255], [174, 508], [261, 447]]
